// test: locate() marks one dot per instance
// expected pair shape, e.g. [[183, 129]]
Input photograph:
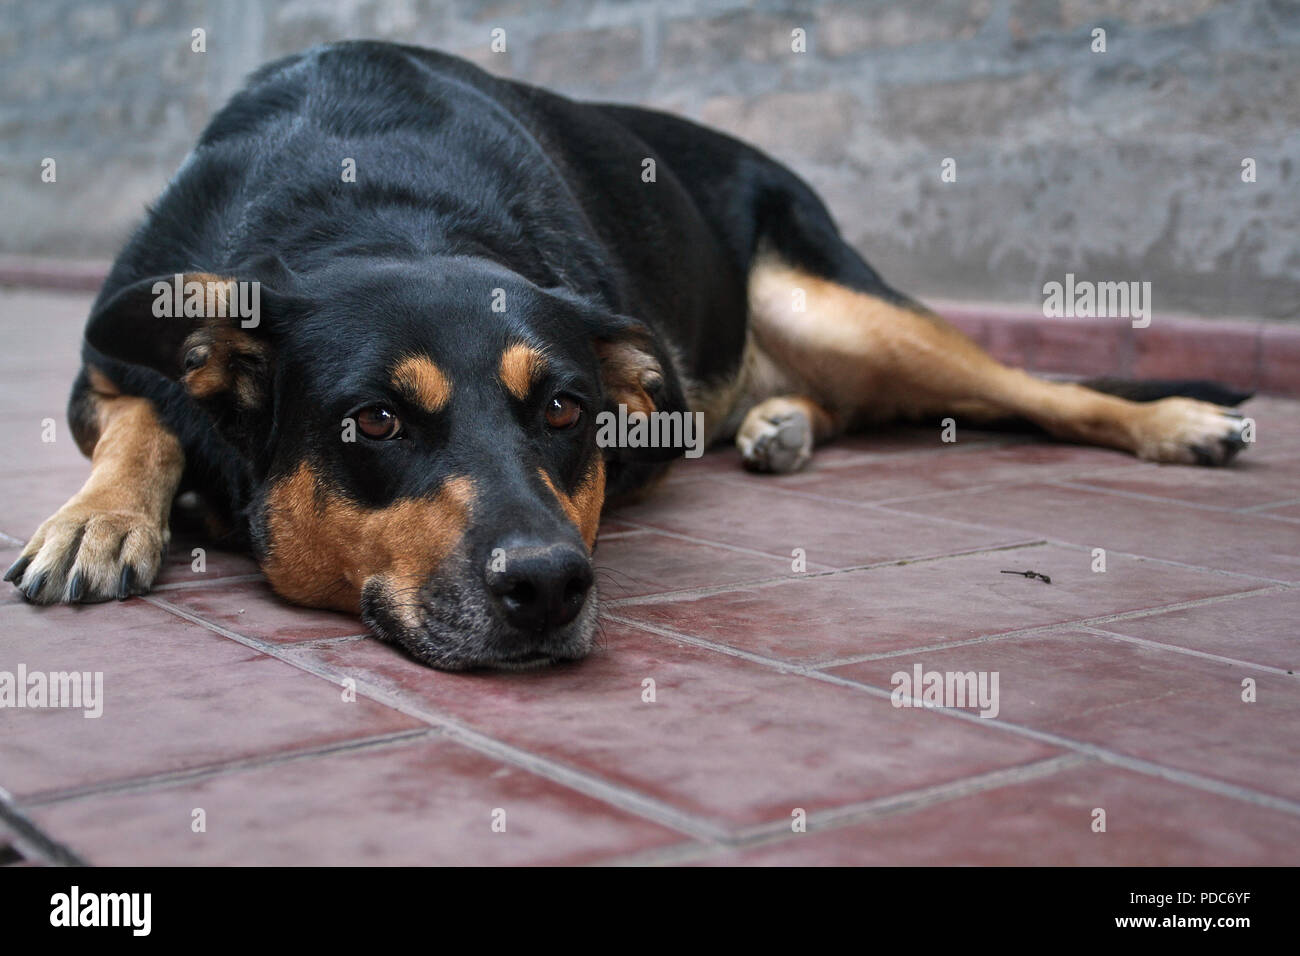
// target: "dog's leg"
[[779, 434], [863, 359], [108, 540]]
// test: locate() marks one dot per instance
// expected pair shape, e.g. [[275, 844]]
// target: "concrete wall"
[[1122, 165]]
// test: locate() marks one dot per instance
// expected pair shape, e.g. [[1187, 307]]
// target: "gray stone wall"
[[1122, 165]]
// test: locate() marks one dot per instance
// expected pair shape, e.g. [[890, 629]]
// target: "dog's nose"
[[539, 587]]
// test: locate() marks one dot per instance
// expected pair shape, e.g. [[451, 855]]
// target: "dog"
[[373, 319]]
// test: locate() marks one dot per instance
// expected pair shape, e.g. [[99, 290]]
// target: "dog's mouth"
[[453, 627], [533, 660]]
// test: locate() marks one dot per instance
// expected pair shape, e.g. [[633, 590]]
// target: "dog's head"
[[422, 443]]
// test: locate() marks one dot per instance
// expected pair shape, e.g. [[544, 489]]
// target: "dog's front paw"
[[84, 555], [776, 436], [1189, 432]]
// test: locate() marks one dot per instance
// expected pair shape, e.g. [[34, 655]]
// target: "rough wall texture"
[[1122, 165]]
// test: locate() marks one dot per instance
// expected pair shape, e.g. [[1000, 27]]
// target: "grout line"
[[739, 549], [849, 458], [1257, 509], [1076, 546], [1102, 470], [860, 503], [1037, 628], [1190, 652], [690, 593], [206, 771], [1092, 750], [806, 667], [784, 667], [227, 579], [779, 831], [1150, 768], [1205, 569], [1138, 496], [628, 800], [326, 641], [611, 535], [31, 840]]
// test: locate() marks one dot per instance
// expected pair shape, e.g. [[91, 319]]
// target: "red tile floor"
[[771, 686]]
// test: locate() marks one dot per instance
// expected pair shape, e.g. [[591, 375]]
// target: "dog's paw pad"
[[1190, 432], [775, 440], [83, 556]]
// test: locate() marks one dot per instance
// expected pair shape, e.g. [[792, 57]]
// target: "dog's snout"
[[539, 587]]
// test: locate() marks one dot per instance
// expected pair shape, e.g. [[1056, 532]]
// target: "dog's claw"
[[15, 572], [33, 588], [125, 583], [76, 588]]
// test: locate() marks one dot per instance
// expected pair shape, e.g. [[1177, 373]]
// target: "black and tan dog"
[[421, 285]]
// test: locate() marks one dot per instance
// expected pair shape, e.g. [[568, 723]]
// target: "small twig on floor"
[[1031, 574]]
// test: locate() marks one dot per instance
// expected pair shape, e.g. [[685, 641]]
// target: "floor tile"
[[1262, 629], [252, 609], [886, 609], [652, 563], [1172, 709], [182, 567], [1048, 822], [175, 696], [1247, 484], [412, 804], [1283, 512], [31, 497], [726, 740], [959, 468], [750, 515], [23, 439], [1243, 543]]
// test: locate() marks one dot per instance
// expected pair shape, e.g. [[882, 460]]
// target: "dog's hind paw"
[[83, 555], [776, 436], [1190, 432]]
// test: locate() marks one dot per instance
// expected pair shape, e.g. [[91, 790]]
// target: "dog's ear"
[[630, 367], [210, 333]]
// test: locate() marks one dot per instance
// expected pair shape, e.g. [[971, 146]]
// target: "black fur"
[[465, 184]]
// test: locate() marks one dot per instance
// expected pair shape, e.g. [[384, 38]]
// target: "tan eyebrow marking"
[[422, 382], [521, 366]]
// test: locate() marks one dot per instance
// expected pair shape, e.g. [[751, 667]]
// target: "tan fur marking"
[[866, 360], [221, 346], [521, 367], [84, 411], [101, 383], [422, 382], [324, 548], [583, 507], [629, 372], [120, 514]]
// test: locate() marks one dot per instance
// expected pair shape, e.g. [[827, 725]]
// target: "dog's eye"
[[563, 412], [378, 422]]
